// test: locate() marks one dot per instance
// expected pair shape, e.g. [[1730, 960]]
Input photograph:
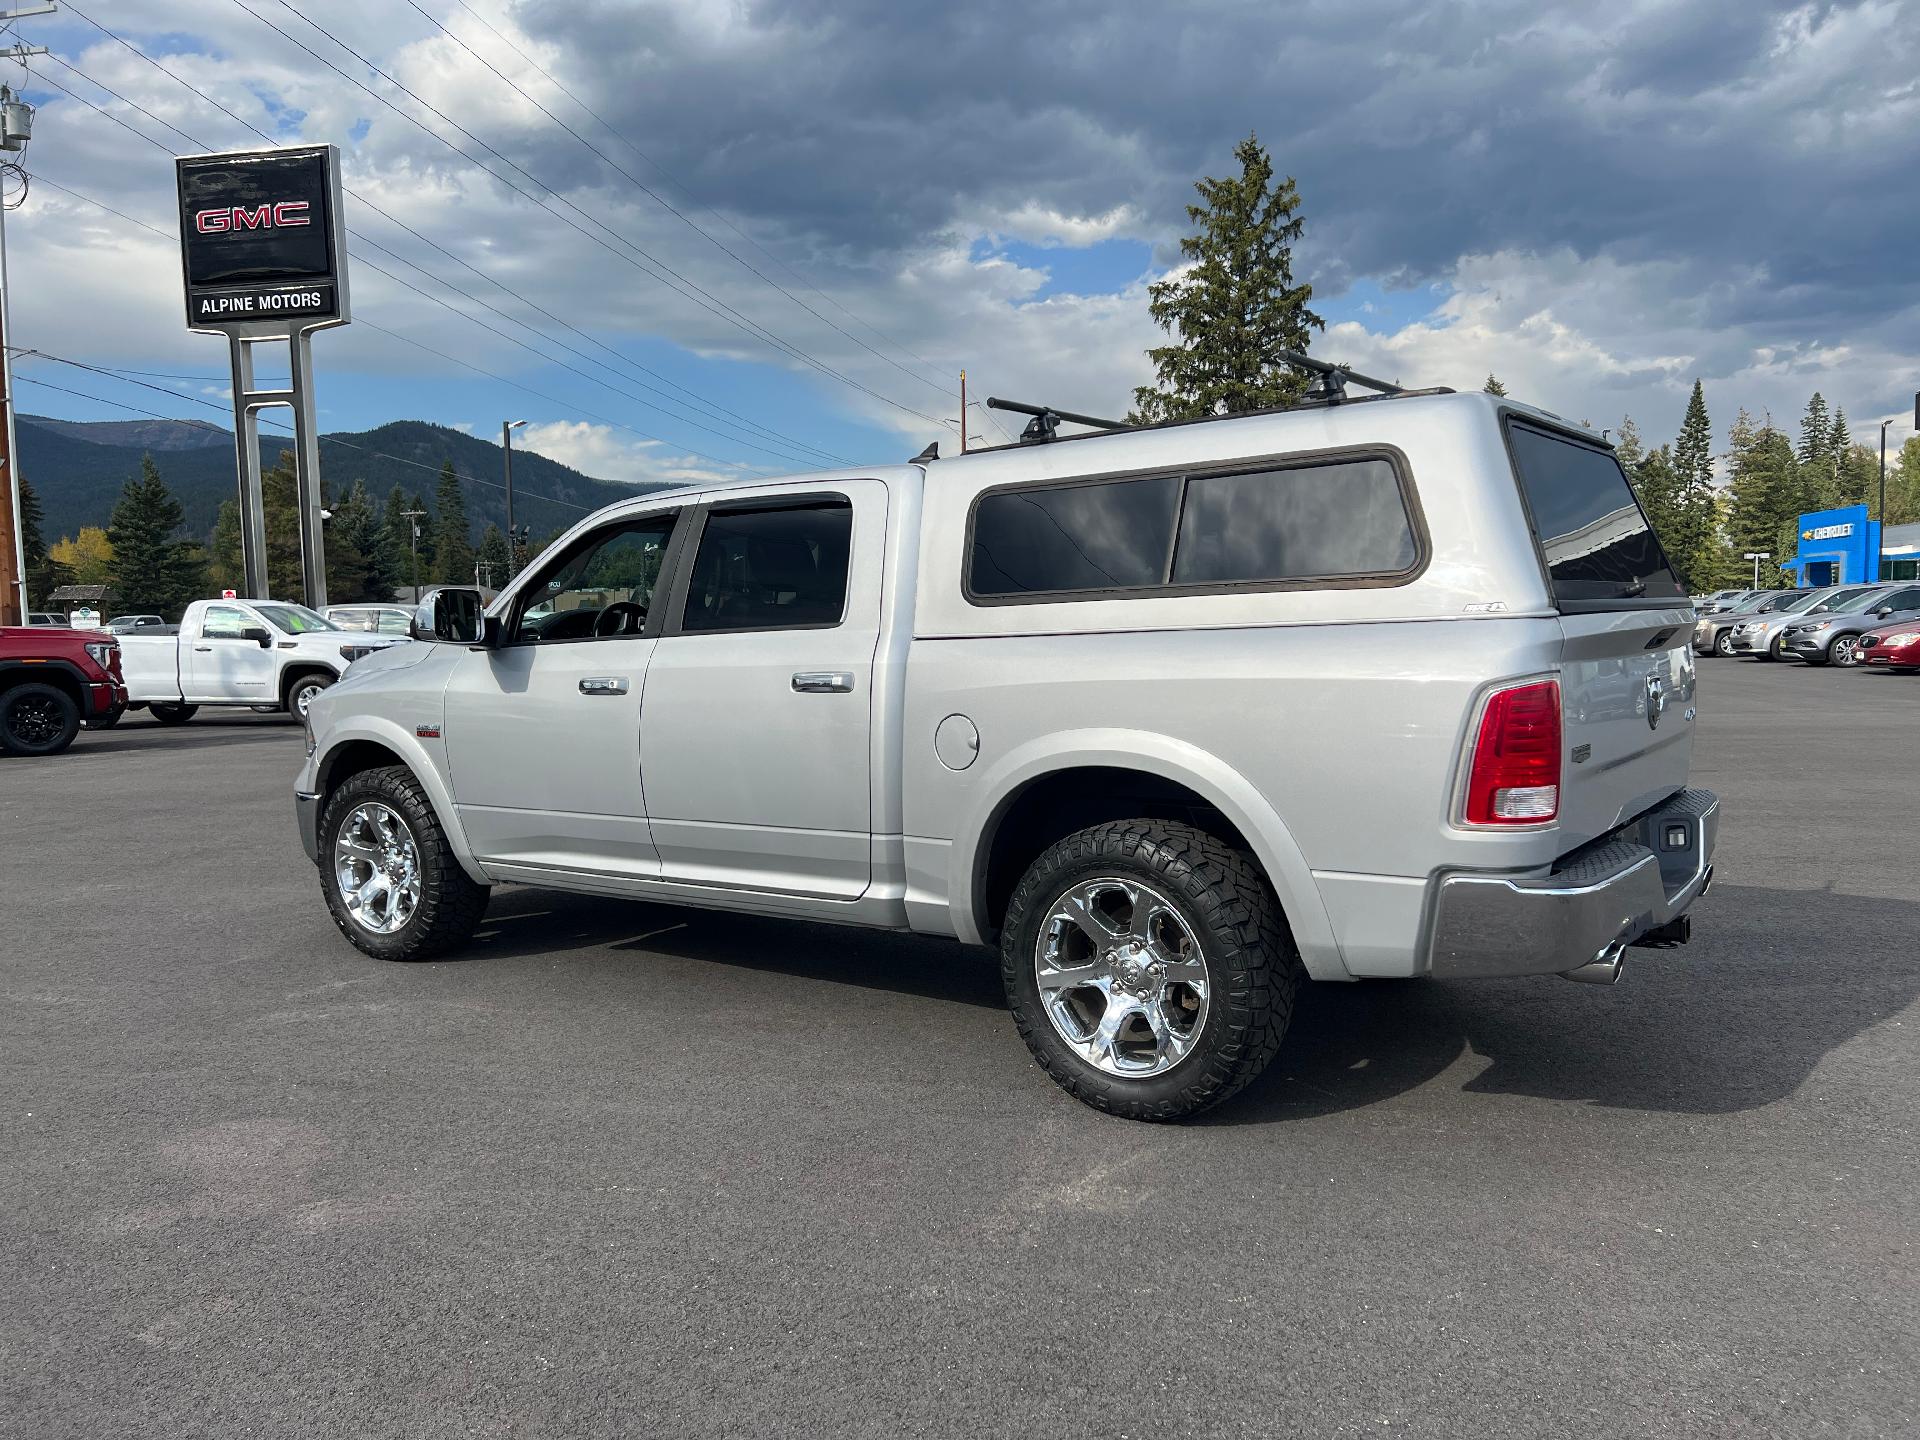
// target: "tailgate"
[[1627, 688]]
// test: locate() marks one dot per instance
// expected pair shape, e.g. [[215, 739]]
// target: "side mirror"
[[1884, 611], [259, 636], [452, 616]]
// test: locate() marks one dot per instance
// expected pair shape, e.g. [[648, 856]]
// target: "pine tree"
[[1235, 306], [452, 536], [280, 506], [1903, 484], [153, 568], [44, 574], [1816, 432], [1493, 385], [1696, 528], [353, 544], [1627, 449], [1656, 481], [492, 557], [1764, 495], [226, 563]]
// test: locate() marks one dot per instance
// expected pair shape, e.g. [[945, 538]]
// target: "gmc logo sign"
[[280, 216]]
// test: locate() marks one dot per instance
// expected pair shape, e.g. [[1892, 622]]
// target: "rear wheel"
[[1844, 651], [37, 719], [1148, 968], [173, 714], [392, 882]]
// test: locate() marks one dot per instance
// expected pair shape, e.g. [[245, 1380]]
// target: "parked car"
[[1713, 634], [46, 617], [1175, 715], [1897, 650], [137, 624], [251, 654], [1761, 637], [1727, 599], [51, 680], [394, 620], [1835, 639]]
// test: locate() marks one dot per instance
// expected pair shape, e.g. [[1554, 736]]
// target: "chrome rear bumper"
[[1585, 911]]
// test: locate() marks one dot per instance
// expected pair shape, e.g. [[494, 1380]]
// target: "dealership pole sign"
[[263, 254]]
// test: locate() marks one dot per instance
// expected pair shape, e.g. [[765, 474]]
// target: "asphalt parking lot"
[[639, 1170]]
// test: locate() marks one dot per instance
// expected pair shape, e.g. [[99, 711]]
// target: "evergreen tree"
[[44, 574], [226, 564], [492, 557], [1816, 432], [153, 568], [1235, 306], [1696, 520], [452, 535], [1903, 484], [1656, 481], [1764, 496], [1493, 385], [280, 505], [1627, 449], [353, 550]]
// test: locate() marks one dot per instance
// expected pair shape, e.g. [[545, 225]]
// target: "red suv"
[[52, 679]]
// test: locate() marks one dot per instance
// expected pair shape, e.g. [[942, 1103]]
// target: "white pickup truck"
[[255, 654]]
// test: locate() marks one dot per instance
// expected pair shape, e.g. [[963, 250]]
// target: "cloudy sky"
[[716, 236]]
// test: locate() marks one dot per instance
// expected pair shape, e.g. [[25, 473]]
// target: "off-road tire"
[[172, 714], [450, 903], [26, 713], [1253, 965], [314, 682]]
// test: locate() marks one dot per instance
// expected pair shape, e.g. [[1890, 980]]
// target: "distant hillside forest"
[[149, 508]]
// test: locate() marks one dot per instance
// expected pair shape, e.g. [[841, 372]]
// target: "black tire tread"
[[451, 904], [1259, 964]]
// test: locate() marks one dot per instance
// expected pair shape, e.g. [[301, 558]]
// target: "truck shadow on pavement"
[[1734, 1021]]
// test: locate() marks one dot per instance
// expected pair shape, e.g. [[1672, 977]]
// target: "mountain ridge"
[[78, 467]]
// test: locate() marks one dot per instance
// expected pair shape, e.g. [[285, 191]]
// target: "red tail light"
[[1515, 778]]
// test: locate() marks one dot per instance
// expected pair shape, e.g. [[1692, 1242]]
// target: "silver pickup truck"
[[1176, 716]]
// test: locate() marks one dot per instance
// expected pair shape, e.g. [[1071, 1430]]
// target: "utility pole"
[[507, 427], [413, 549], [16, 129], [963, 412]]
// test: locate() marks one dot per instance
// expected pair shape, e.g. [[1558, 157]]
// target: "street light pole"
[[507, 427], [1757, 556]]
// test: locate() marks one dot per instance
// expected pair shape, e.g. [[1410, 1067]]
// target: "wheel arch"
[[1087, 777], [63, 675], [298, 671], [371, 743]]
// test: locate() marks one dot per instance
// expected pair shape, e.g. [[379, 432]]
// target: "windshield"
[[1598, 546], [294, 619]]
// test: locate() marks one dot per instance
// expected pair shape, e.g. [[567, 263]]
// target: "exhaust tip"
[[1604, 969]]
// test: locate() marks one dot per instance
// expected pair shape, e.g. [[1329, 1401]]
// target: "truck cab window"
[[771, 569], [600, 587], [225, 622]]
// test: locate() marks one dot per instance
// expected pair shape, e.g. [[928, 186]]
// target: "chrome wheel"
[[303, 694], [1122, 977], [377, 867], [1843, 650]]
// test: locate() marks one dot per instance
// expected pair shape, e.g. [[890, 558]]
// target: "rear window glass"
[[1598, 544], [1327, 521]]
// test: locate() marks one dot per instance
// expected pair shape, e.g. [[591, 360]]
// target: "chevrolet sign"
[[1826, 532], [262, 239]]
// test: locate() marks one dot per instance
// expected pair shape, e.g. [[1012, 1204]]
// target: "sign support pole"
[[246, 441], [306, 467]]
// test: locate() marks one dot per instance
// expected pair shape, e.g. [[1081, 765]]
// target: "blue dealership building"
[[1844, 547]]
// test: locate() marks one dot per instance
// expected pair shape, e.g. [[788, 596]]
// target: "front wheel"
[[173, 714], [1723, 643], [392, 882], [1148, 968], [1844, 651], [300, 694], [37, 719]]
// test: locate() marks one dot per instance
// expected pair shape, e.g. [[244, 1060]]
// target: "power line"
[[425, 295], [713, 409], [658, 198], [660, 270]]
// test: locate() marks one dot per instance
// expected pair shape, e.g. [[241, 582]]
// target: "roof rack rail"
[[1046, 420], [1331, 388]]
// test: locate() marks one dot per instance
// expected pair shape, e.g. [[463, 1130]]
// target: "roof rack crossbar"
[[1334, 379], [1046, 420]]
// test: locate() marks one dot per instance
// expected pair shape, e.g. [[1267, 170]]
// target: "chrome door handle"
[[204, 649], [823, 682], [604, 685]]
